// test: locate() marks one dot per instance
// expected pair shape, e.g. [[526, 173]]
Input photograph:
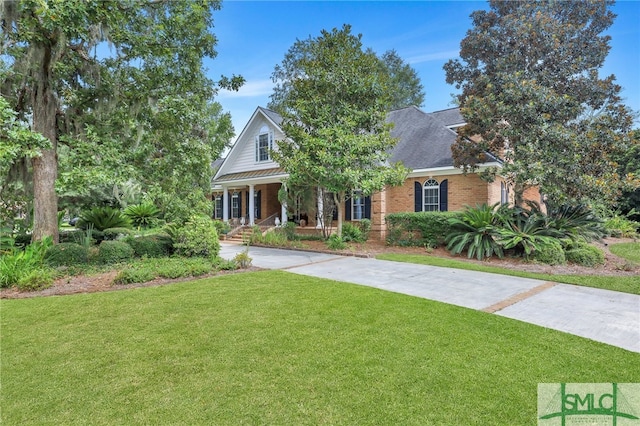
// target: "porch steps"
[[239, 236]]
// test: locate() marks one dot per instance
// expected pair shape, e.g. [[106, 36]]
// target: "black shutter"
[[347, 208], [258, 205], [418, 196], [229, 203], [444, 195], [239, 204], [367, 207], [247, 197]]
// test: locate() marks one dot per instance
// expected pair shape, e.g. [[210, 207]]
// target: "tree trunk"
[[518, 193], [339, 201], [45, 167]]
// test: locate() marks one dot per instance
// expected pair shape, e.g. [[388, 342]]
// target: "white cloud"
[[437, 56], [249, 89]]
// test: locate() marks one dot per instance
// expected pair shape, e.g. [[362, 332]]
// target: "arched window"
[[431, 196], [264, 144]]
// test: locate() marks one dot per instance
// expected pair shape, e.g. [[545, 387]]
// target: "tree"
[[532, 94], [404, 81], [90, 74], [403, 84], [334, 100]]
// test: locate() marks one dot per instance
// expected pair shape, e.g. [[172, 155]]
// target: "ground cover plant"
[[630, 251], [275, 348]]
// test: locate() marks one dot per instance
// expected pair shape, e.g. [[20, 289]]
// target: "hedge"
[[418, 229]]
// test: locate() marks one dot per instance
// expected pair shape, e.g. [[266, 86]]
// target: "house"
[[246, 184]]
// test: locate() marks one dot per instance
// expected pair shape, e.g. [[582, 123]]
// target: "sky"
[[253, 37]]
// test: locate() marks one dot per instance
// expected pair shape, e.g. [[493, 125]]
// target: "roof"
[[450, 117], [251, 175], [424, 140], [273, 116]]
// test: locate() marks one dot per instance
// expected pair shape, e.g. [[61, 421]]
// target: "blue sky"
[[253, 36]]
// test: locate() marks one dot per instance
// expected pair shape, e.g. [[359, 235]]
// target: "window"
[[357, 206], [217, 207], [235, 205], [264, 143], [431, 198], [504, 193]]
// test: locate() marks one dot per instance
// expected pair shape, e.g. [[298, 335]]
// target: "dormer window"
[[264, 144]]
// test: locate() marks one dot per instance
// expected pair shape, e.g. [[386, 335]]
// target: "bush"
[[585, 255], [197, 237], [365, 228], [621, 226], [114, 252], [74, 236], [419, 229], [335, 243], [151, 245], [17, 264], [67, 254], [222, 227], [550, 252], [476, 231], [36, 279], [130, 276], [289, 230], [353, 233], [224, 264], [104, 218], [116, 233], [575, 222]]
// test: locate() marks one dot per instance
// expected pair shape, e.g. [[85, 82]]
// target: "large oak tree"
[[532, 94], [111, 82]]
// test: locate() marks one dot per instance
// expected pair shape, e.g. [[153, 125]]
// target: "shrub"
[[576, 222], [585, 255], [242, 259], [526, 232], [351, 232], [335, 243], [224, 264], [104, 218], [36, 279], [114, 252], [67, 254], [130, 276], [289, 230], [142, 215], [222, 227], [151, 245], [475, 231], [621, 226], [116, 233], [197, 237], [19, 263], [179, 268], [549, 252], [418, 229], [365, 228], [73, 236]]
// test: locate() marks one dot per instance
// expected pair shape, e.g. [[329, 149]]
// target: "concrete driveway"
[[602, 315]]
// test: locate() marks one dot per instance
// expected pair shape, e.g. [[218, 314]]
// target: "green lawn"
[[630, 251], [626, 284], [272, 347]]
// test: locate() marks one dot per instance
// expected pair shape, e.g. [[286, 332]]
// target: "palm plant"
[[526, 231], [104, 218], [142, 214], [576, 222], [476, 230]]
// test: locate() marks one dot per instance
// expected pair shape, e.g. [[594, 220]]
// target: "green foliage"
[[196, 237], [222, 227], [273, 238], [549, 252], [527, 232], [334, 118], [335, 242], [171, 268], [629, 251], [18, 264], [365, 228], [576, 222], [404, 84], [418, 229], [242, 259], [22, 240], [477, 231], [585, 255], [621, 226], [114, 252], [134, 275], [67, 254], [519, 103], [142, 215], [73, 236], [151, 245], [102, 218], [352, 233], [35, 280], [289, 230], [116, 233]]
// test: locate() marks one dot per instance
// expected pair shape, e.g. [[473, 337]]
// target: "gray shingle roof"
[[273, 116], [424, 141], [450, 117]]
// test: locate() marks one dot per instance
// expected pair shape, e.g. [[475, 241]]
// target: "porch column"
[[252, 205], [283, 212], [320, 221], [225, 204]]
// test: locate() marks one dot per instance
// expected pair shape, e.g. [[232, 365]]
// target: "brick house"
[[245, 186]]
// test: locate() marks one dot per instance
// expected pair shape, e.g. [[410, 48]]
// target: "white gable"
[[242, 157]]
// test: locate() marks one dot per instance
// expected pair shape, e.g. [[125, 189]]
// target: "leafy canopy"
[[532, 95], [334, 104]]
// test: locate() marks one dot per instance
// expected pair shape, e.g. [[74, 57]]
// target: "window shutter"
[[444, 195], [229, 203], [247, 197], [240, 204], [258, 205], [257, 148], [347, 208], [418, 197], [367, 207]]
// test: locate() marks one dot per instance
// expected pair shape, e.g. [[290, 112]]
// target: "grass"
[[626, 284], [271, 347], [629, 251]]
